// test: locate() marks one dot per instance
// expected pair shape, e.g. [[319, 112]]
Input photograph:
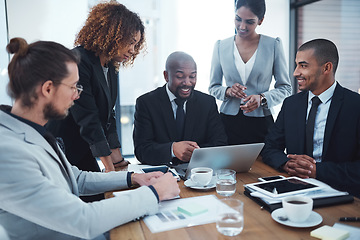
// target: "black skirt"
[[241, 129]]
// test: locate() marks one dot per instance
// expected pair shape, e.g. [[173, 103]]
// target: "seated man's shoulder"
[[295, 98], [203, 96], [352, 95], [149, 95]]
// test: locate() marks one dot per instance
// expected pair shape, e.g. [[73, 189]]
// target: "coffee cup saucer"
[[189, 183], [279, 216]]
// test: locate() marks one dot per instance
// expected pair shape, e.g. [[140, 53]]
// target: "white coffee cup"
[[201, 176], [297, 208]]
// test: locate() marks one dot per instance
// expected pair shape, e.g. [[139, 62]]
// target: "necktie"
[[309, 136], [180, 117]]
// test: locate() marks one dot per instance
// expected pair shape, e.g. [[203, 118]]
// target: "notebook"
[[237, 157]]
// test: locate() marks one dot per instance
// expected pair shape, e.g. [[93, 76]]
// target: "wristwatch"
[[263, 101]]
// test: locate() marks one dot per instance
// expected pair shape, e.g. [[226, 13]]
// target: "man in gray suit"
[[39, 188]]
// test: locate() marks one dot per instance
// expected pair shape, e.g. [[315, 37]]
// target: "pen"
[[350, 219]]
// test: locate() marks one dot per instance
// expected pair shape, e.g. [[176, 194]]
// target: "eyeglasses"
[[77, 89]]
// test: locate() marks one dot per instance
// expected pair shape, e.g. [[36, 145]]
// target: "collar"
[[37, 127], [172, 97], [324, 96]]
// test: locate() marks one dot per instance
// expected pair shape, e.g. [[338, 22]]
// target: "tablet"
[[283, 187]]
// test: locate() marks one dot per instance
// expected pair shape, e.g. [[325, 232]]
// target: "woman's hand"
[[236, 91], [252, 103], [117, 159]]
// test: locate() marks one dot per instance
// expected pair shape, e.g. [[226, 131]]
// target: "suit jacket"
[[340, 165], [91, 121], [39, 195], [155, 126], [270, 61]]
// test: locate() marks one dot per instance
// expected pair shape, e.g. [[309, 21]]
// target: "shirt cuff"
[[172, 150], [128, 179], [100, 149], [155, 192]]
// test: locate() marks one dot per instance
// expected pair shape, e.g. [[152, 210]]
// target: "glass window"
[[4, 57], [338, 21]]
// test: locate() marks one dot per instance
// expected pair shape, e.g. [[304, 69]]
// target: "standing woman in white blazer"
[[247, 62]]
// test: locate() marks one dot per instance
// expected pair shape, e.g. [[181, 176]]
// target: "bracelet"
[[123, 159]]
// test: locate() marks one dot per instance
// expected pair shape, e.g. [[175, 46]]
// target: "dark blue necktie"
[[309, 139], [180, 117]]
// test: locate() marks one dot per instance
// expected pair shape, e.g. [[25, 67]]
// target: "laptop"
[[237, 157]]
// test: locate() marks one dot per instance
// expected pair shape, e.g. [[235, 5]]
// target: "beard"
[[50, 113], [178, 89]]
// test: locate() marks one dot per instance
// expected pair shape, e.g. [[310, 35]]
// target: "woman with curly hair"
[[112, 36]]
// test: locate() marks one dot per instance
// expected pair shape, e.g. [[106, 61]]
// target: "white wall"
[[200, 26], [56, 20]]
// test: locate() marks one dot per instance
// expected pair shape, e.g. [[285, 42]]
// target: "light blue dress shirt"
[[320, 120]]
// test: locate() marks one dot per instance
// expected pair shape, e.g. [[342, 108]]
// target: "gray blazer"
[[39, 196], [270, 61]]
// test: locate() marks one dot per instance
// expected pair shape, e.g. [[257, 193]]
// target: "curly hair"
[[109, 28]]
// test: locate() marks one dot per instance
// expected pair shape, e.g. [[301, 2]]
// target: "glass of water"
[[230, 217], [225, 182]]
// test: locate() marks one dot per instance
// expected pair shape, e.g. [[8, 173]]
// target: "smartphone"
[[264, 179], [163, 169]]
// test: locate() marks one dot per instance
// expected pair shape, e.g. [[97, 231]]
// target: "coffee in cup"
[[297, 208], [201, 176]]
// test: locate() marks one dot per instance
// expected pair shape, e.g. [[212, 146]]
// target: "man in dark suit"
[[160, 137], [329, 150]]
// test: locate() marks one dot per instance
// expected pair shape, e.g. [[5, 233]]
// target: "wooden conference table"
[[258, 223]]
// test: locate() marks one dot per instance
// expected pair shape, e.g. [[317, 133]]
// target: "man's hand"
[[117, 158], [166, 186], [236, 91], [252, 103], [109, 166], [145, 179], [184, 149], [301, 166]]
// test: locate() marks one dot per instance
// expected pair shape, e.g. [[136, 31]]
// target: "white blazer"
[[270, 60], [39, 197]]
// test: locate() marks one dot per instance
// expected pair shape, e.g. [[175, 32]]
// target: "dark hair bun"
[[18, 46]]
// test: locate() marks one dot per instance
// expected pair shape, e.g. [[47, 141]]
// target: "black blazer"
[[91, 121], [340, 165], [155, 127]]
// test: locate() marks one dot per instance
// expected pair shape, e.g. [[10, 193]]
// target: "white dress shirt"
[[174, 106], [320, 119], [244, 69], [172, 98]]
